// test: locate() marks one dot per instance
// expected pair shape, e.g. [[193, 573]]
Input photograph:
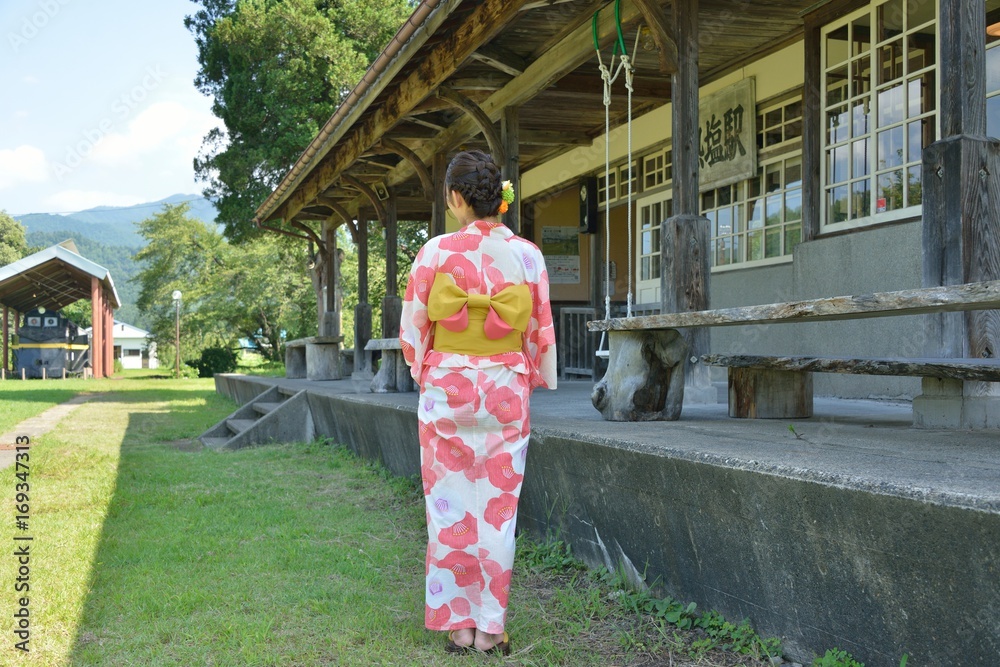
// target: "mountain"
[[113, 225]]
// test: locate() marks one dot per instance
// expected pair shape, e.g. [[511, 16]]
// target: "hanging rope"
[[608, 78]]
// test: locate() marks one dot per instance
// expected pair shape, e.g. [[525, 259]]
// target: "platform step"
[[287, 391], [239, 425], [264, 408], [214, 443]]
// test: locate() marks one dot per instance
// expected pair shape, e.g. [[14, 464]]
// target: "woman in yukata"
[[477, 332]]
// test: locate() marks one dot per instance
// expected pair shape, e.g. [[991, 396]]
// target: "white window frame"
[[908, 212], [648, 291]]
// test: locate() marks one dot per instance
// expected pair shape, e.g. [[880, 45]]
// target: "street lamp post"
[[177, 332]]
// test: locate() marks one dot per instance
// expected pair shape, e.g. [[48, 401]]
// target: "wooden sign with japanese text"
[[727, 135]]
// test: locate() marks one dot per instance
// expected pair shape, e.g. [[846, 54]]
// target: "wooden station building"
[[790, 137]]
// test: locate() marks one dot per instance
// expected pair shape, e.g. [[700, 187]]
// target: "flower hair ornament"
[[506, 196]]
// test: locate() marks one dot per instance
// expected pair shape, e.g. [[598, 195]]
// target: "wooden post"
[[391, 243], [812, 132], [96, 319], [6, 334], [109, 339], [961, 221], [511, 171], [440, 207], [331, 314], [685, 237], [363, 311]]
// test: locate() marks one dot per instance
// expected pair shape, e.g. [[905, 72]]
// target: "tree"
[[256, 291], [12, 243], [277, 70]]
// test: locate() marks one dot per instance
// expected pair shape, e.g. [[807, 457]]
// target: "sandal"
[[500, 648], [452, 647]]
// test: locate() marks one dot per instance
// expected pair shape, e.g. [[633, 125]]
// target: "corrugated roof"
[[52, 278]]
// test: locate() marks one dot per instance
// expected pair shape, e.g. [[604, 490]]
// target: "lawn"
[[151, 550]]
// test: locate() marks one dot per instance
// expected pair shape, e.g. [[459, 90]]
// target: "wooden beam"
[[96, 327], [502, 59], [484, 122], [684, 92], [557, 60], [391, 241], [812, 133], [510, 167], [491, 82], [660, 28], [369, 193], [440, 206], [310, 233], [418, 166], [963, 68], [553, 138], [484, 22]]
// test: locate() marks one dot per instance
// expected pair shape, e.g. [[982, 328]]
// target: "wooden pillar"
[[109, 339], [439, 207], [6, 334], [685, 237], [97, 320], [332, 305], [961, 220], [392, 304], [363, 311], [812, 133], [510, 169]]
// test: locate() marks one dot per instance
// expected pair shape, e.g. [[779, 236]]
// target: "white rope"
[[629, 73]]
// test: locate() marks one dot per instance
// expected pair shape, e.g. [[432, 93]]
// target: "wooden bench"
[[393, 373], [648, 354], [313, 358]]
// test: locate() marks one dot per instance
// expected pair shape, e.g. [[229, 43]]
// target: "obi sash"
[[477, 324]]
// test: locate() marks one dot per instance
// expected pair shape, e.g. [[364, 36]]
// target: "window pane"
[[721, 252], [890, 105], [772, 243], [656, 241], [793, 234], [793, 130], [708, 200], [836, 124], [890, 61], [773, 210], [836, 46], [654, 266], [793, 172], [860, 199], [914, 194], [861, 37], [993, 116], [890, 19], [644, 269], [772, 177], [919, 12], [861, 117], [836, 86], [647, 243], [793, 205], [793, 110], [920, 94], [861, 76], [890, 148], [754, 185], [890, 191], [993, 69], [837, 204], [837, 167], [725, 224], [920, 46], [862, 157], [725, 196], [756, 214], [755, 246]]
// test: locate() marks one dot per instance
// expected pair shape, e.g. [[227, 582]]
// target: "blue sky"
[[97, 103]]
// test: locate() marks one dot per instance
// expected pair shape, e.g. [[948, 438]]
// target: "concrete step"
[[264, 408], [287, 391], [214, 443], [239, 425]]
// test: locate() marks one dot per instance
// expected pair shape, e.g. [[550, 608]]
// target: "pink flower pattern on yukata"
[[473, 424]]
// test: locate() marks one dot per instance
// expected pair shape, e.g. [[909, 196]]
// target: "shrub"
[[216, 360]]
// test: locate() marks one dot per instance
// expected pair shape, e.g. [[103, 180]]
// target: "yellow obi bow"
[[477, 324]]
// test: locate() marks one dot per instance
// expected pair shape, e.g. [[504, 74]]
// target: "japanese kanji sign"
[[727, 135]]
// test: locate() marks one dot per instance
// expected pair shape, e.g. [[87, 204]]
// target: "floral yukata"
[[477, 333]]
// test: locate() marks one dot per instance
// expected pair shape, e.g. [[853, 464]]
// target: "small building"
[[132, 346]]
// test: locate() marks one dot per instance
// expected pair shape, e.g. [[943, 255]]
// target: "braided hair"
[[475, 176]]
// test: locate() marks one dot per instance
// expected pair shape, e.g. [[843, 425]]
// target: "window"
[[657, 169], [880, 111], [615, 186], [993, 68], [757, 219], [779, 123]]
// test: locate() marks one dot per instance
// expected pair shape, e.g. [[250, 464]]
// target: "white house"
[[131, 346]]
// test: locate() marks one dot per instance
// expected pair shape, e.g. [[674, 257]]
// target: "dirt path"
[[38, 425]]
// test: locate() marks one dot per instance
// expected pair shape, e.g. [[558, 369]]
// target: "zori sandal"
[[452, 647], [500, 648]]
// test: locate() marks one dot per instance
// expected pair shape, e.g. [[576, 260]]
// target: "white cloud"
[[24, 164], [78, 200], [164, 126], [30, 80]]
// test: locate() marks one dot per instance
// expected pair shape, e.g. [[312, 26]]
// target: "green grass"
[[149, 551]]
